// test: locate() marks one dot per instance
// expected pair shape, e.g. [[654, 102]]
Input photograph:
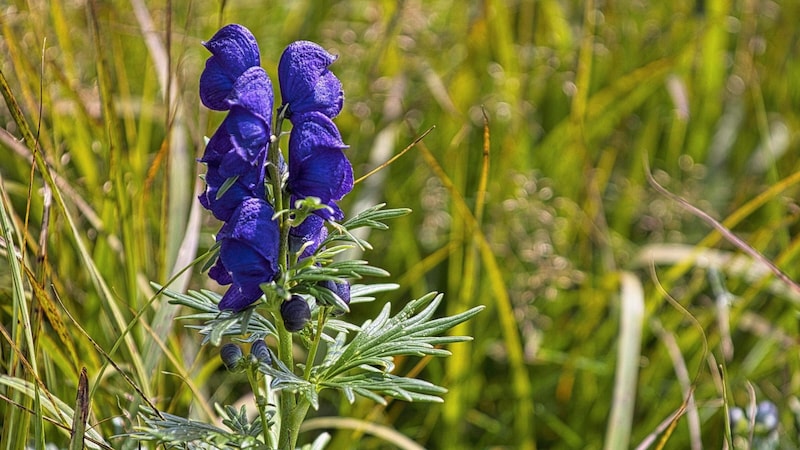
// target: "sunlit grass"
[[101, 170]]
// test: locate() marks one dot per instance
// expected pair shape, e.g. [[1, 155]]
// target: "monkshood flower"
[[318, 166], [234, 50], [306, 83], [231, 355], [295, 313], [248, 253], [238, 148], [307, 236]]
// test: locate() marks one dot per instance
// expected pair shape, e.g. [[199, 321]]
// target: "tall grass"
[[530, 196]]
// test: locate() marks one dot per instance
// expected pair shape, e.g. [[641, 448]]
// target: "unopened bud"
[[230, 354], [295, 313], [260, 352]]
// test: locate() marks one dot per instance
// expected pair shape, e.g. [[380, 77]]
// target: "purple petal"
[[312, 231], [219, 145], [252, 224], [248, 252], [326, 174], [233, 50], [312, 131], [318, 166], [219, 273], [246, 263], [253, 92], [247, 124], [237, 299], [224, 206], [306, 83]]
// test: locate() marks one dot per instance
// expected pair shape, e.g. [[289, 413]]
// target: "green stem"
[[312, 352], [288, 401], [298, 414], [253, 376]]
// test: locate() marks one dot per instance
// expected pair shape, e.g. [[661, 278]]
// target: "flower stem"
[[288, 400], [312, 352], [253, 376], [298, 414]]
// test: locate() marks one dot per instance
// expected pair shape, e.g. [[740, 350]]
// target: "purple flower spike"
[[318, 166], [248, 253], [233, 50], [306, 83]]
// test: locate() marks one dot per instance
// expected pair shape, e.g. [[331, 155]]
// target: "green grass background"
[[538, 216]]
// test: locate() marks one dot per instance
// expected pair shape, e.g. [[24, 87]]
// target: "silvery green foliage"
[[354, 360], [169, 429]]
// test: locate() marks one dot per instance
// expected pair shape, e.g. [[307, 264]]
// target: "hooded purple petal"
[[248, 123], [248, 252], [239, 146], [233, 50], [306, 83], [318, 166]]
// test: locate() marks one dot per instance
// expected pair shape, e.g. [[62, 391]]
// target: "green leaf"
[[226, 185], [362, 366]]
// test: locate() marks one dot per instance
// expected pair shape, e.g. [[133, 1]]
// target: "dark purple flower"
[[247, 124], [231, 356], [306, 83], [248, 253], [318, 166], [295, 313], [260, 352], [239, 146], [233, 50], [311, 231], [224, 206]]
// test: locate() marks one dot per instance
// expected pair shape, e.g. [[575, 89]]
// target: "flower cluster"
[[239, 154]]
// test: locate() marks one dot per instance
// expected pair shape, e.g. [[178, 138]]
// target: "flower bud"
[[260, 352], [295, 313], [231, 355]]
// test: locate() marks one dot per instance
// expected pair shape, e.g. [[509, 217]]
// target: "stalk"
[[253, 376], [312, 352], [288, 401]]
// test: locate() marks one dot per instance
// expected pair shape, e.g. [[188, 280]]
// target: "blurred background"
[[530, 196]]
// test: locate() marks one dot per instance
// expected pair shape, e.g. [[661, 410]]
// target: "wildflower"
[[234, 50], [260, 352], [238, 148], [231, 355], [306, 83], [318, 166], [248, 253], [295, 313]]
